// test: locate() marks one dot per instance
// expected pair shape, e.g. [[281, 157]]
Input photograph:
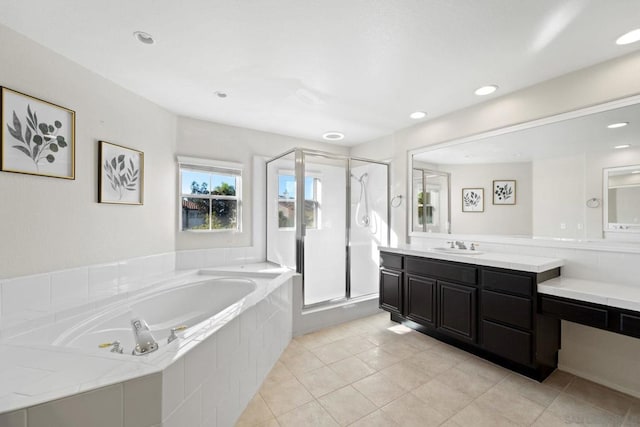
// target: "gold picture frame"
[[120, 174], [38, 137]]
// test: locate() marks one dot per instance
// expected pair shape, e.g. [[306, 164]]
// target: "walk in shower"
[[326, 216]]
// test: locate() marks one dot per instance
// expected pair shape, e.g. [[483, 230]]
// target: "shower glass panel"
[[325, 228], [281, 227], [369, 225], [326, 216]]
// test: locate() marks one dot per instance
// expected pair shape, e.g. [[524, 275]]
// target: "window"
[[210, 195], [287, 201]]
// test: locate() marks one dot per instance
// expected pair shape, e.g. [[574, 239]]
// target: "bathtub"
[[238, 323], [184, 306]]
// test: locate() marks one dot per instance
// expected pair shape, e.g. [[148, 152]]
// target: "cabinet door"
[[391, 290], [457, 310], [421, 300]]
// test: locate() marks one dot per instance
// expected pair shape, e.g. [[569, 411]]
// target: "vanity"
[[486, 304]]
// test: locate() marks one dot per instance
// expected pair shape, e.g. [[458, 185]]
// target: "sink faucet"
[[460, 244], [145, 343]]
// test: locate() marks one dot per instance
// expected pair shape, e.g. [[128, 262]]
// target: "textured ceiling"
[[302, 68]]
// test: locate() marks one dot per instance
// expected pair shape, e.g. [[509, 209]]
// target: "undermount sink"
[[458, 251]]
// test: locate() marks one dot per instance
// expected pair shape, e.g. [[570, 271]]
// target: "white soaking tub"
[[238, 319], [185, 306]]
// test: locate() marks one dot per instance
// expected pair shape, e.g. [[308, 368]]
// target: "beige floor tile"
[[303, 363], [633, 416], [405, 375], [420, 341], [431, 363], [559, 379], [346, 405], [451, 352], [322, 381], [511, 405], [384, 336], [272, 422], [574, 410], [400, 349], [256, 412], [293, 349], [477, 366], [540, 393], [450, 423], [286, 396], [442, 398], [278, 375], [547, 419], [375, 419], [332, 352], [409, 411], [600, 396], [311, 414], [470, 384], [378, 389], [357, 344], [313, 339], [479, 416], [378, 358], [352, 369]]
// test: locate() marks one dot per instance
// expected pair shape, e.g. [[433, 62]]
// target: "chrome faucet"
[[145, 343], [460, 244]]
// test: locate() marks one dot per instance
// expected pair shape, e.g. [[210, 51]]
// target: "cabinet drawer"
[[507, 282], [630, 325], [574, 312], [442, 270], [516, 311], [391, 260], [507, 342]]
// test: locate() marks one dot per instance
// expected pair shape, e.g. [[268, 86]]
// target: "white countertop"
[[533, 264], [610, 294]]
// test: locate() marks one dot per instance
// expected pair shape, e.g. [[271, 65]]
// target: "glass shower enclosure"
[[326, 216]]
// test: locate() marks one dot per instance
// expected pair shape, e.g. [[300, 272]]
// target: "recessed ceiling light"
[[220, 94], [486, 90], [417, 115], [635, 172], [617, 125], [333, 136], [618, 147], [143, 37], [630, 37]]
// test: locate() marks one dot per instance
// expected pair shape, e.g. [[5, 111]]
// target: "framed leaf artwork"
[[121, 175], [473, 200], [38, 137], [504, 192]]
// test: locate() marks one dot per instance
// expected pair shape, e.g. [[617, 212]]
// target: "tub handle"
[[173, 335], [105, 344], [115, 346]]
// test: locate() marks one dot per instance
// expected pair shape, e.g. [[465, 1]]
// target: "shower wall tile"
[[103, 281], [29, 293]]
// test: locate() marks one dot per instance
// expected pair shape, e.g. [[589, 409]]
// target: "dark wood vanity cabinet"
[[391, 286], [488, 311]]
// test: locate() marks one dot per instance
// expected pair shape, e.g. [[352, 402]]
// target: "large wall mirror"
[[572, 176]]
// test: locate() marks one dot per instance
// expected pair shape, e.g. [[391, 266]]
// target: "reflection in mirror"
[[557, 163], [430, 191], [622, 199]]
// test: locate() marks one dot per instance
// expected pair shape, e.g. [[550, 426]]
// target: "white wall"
[[197, 138], [496, 219], [50, 224]]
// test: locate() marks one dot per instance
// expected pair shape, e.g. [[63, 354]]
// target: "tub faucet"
[[145, 343], [460, 244]]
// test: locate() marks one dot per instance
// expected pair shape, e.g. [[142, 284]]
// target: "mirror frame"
[[594, 109]]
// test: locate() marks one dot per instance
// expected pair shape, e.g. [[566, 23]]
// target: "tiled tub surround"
[[205, 377]]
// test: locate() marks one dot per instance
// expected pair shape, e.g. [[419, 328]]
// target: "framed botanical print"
[[121, 175], [473, 200], [38, 137], [504, 192]]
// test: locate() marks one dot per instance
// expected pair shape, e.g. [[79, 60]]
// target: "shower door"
[[324, 227]]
